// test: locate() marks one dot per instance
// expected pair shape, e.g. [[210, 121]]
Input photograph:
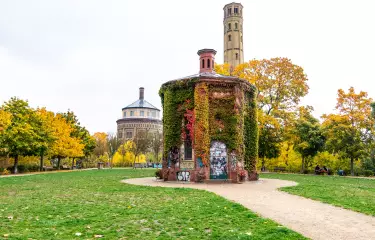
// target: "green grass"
[[59, 205], [357, 194]]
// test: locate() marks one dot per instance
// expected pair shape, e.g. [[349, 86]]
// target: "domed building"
[[138, 116]]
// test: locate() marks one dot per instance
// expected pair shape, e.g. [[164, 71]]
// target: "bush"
[[367, 173], [159, 174], [4, 171]]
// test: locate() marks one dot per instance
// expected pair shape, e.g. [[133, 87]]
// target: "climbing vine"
[[251, 133], [177, 98], [202, 137]]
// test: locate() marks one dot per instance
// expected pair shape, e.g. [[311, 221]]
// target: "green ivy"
[[251, 133], [176, 98]]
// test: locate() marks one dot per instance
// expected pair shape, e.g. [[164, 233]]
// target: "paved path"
[[311, 218]]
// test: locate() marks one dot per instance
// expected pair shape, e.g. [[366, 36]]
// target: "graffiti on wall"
[[218, 160], [183, 176]]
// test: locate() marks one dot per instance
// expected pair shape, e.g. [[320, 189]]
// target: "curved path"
[[311, 218]]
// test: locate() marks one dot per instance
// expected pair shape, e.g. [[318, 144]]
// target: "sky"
[[91, 56]]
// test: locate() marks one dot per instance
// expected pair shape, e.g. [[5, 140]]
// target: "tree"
[[123, 150], [45, 131], [66, 144], [156, 144], [20, 137], [5, 121], [101, 147], [113, 143], [81, 133], [280, 83], [141, 144], [351, 129], [309, 139], [269, 137]]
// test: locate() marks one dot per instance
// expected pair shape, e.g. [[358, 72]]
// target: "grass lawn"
[[89, 203], [357, 194]]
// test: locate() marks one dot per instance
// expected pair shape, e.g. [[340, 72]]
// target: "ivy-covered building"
[[138, 116], [209, 125]]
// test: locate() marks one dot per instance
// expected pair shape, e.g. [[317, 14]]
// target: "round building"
[[138, 116]]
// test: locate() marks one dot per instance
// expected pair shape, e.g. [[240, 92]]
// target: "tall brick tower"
[[233, 32]]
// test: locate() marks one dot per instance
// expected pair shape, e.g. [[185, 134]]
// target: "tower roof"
[[141, 102]]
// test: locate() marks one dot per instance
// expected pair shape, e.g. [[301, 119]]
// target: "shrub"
[[368, 173], [4, 171], [159, 174]]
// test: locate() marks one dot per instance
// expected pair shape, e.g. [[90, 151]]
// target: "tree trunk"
[[72, 163], [303, 165], [352, 166], [58, 163], [263, 164], [135, 158], [41, 161], [15, 170]]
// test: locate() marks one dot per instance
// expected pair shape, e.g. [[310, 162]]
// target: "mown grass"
[[357, 194], [89, 203]]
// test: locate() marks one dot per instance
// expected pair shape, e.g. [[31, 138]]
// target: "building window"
[[229, 26], [208, 63], [229, 38], [235, 25], [142, 113], [188, 150], [202, 63], [124, 114], [119, 134], [236, 10], [131, 113], [153, 114], [129, 135], [229, 11], [236, 56], [241, 38]]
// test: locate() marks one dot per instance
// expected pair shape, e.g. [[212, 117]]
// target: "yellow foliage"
[[5, 120], [127, 159]]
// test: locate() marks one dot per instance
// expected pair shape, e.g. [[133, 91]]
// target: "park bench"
[[65, 167], [46, 168], [139, 165], [279, 169]]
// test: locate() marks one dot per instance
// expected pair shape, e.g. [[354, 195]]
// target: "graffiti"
[[233, 161], [183, 176], [218, 160], [199, 161]]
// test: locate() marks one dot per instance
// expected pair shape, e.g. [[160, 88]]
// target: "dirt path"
[[311, 218]]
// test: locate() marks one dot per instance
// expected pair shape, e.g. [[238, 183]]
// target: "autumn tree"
[[66, 144], [5, 121], [269, 137], [141, 144], [46, 133], [101, 147], [80, 133], [351, 129], [308, 136], [156, 144], [20, 137], [113, 144]]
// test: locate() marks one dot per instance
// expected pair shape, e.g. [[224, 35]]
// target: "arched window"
[[208, 63], [202, 63], [235, 25], [241, 38], [236, 56], [229, 38], [229, 26]]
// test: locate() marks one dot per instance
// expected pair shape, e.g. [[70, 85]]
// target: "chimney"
[[206, 60], [141, 93]]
